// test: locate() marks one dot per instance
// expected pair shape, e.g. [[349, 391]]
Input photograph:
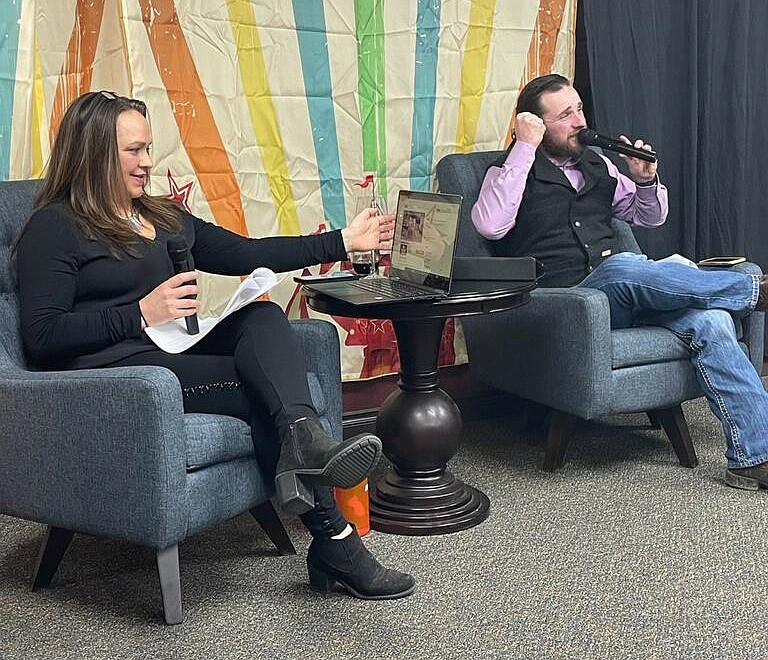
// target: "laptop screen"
[[425, 238]]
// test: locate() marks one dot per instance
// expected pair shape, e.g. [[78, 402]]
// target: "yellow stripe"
[[38, 112], [474, 70], [253, 72]]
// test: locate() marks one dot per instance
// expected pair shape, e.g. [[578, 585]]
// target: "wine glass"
[[366, 263], [363, 262]]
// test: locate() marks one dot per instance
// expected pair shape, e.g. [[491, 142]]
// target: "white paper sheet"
[[172, 337], [678, 259]]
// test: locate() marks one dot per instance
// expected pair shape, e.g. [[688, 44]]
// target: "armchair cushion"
[[647, 345], [215, 439]]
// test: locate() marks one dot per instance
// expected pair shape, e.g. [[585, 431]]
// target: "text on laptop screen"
[[425, 236]]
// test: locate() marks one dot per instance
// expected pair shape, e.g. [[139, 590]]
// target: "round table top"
[[466, 298]]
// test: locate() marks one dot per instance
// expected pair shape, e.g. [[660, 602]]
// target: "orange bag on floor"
[[353, 503]]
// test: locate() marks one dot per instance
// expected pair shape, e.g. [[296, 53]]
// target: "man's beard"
[[562, 149]]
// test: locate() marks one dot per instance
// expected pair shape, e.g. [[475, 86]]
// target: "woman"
[[94, 272]]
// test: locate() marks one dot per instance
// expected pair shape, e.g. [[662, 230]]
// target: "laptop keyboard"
[[391, 288]]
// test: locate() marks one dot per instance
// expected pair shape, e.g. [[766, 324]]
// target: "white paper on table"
[[678, 259], [173, 337]]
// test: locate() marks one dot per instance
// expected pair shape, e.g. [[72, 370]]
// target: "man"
[[554, 199]]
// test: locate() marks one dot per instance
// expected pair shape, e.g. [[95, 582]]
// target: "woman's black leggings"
[[251, 366]]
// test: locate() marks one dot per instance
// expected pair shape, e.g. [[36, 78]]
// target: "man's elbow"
[[486, 229], [490, 233]]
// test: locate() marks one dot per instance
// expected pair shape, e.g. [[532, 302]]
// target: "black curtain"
[[691, 78]]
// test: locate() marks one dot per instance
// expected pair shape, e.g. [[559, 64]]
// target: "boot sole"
[[346, 468], [322, 582], [744, 483]]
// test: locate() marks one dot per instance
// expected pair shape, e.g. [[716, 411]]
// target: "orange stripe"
[[543, 46], [193, 114], [77, 70]]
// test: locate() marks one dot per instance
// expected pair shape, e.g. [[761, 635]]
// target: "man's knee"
[[623, 262], [713, 325]]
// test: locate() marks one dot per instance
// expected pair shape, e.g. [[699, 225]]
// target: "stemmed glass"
[[366, 263]]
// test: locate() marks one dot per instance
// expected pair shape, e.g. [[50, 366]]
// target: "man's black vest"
[[568, 232]]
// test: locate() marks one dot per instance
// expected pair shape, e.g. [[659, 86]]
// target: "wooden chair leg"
[[535, 416], [560, 426], [170, 583], [653, 418], [270, 522], [51, 553], [676, 428]]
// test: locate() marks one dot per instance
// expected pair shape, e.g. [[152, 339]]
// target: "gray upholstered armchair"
[[560, 351], [110, 451]]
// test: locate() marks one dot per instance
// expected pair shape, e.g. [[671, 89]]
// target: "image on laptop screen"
[[425, 237]]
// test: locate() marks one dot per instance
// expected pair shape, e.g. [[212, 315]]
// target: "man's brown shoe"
[[762, 297], [748, 478]]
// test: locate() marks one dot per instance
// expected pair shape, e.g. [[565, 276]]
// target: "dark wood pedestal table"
[[419, 424]]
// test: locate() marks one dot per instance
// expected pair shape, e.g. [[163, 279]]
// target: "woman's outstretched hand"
[[369, 230], [168, 301]]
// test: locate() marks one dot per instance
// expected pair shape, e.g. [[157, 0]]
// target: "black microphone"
[[588, 138], [182, 263]]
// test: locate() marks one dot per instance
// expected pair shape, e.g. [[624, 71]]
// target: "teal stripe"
[[10, 16], [316, 67], [424, 91]]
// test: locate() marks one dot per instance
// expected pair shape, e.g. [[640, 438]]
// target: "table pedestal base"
[[420, 428], [419, 424], [421, 505]]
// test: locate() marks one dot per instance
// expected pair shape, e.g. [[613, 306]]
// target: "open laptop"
[[422, 254]]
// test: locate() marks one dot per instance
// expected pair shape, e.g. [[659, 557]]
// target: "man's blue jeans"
[[697, 305]]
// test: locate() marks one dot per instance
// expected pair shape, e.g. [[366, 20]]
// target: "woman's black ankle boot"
[[308, 454], [349, 563]]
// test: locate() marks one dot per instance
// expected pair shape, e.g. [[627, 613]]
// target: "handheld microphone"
[[182, 263], [588, 137]]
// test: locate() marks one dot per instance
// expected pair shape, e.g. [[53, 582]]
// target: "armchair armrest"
[[320, 343], [561, 335], [99, 451]]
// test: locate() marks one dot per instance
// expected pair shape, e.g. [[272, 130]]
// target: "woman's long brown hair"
[[84, 173]]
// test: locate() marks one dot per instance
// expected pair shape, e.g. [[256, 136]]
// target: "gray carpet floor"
[[622, 554]]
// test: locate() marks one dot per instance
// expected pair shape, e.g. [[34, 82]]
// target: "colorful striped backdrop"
[[265, 114]]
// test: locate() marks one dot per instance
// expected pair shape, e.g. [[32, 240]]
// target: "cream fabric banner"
[[266, 114]]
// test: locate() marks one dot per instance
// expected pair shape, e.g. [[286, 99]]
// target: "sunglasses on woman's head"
[[133, 103], [99, 99]]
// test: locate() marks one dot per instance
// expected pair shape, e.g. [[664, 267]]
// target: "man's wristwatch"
[[648, 184]]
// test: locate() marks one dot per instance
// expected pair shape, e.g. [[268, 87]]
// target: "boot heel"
[[318, 580], [293, 494], [737, 481]]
